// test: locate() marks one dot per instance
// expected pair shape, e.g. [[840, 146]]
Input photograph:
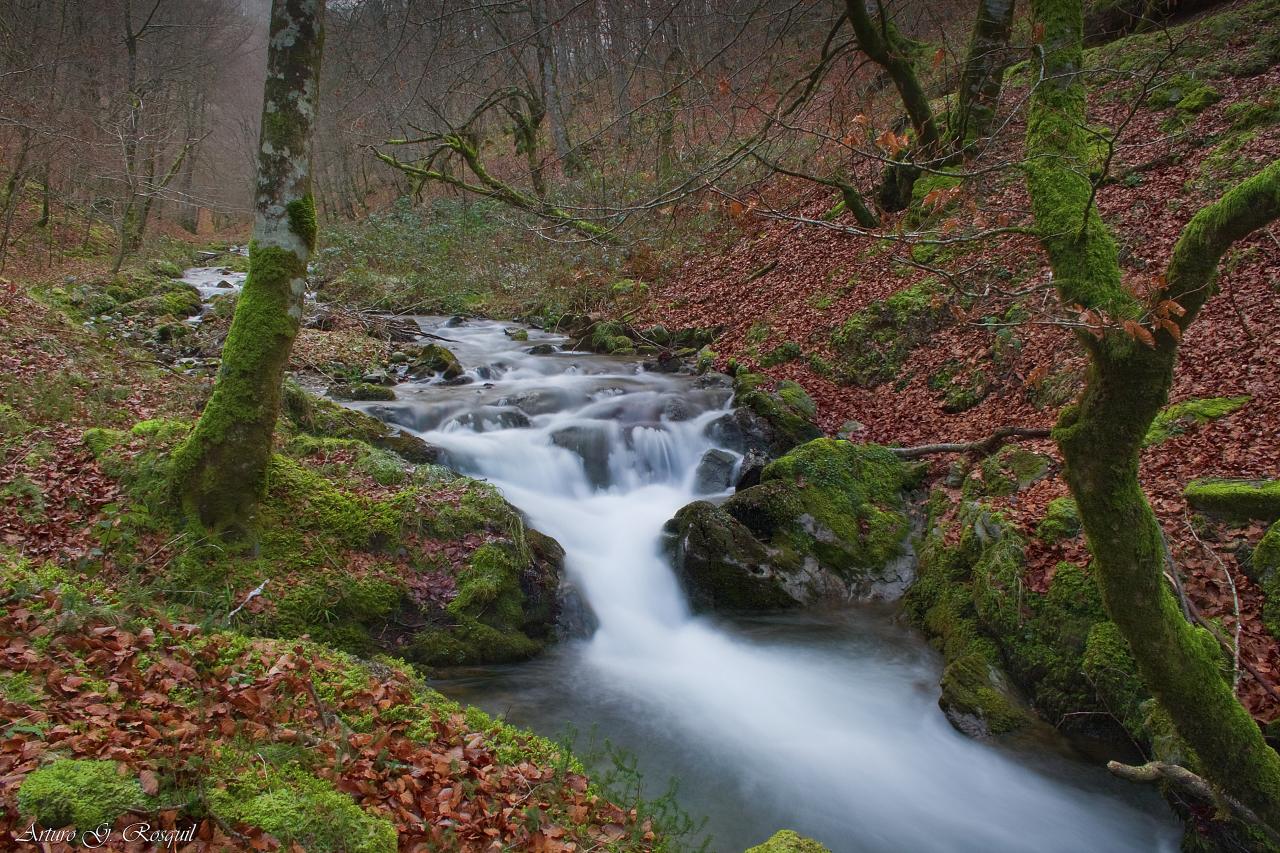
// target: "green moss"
[[99, 440], [836, 501], [434, 358], [789, 410], [220, 471], [1007, 471], [1264, 567], [781, 354], [1111, 668], [1185, 93], [178, 300], [162, 267], [1061, 521], [1251, 114], [1180, 417], [301, 809], [302, 219], [1241, 500], [917, 214], [787, 841], [875, 342], [80, 793], [361, 391]]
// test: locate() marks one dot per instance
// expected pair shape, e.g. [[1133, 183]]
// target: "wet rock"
[[361, 391], [408, 447], [491, 418], [721, 565], [676, 408], [714, 473], [458, 380], [784, 417], [542, 582], [592, 445], [540, 401], [749, 471], [454, 322], [543, 349]]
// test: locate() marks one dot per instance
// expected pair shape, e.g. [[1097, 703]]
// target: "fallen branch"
[[987, 445], [1189, 783]]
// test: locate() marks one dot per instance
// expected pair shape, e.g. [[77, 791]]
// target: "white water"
[[832, 731]]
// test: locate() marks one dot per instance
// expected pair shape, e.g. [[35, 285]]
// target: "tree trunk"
[[671, 104], [550, 88], [1128, 382], [881, 41], [219, 472], [983, 73]]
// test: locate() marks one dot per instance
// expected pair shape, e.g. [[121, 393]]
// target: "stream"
[[824, 722]]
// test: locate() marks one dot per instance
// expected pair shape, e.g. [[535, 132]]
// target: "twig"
[[250, 597], [986, 445], [1197, 786]]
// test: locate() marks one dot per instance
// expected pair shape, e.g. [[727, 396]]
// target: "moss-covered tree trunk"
[[983, 72], [1128, 382], [220, 470]]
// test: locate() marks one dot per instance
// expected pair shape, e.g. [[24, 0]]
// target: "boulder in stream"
[[433, 359], [591, 443], [714, 473], [827, 521]]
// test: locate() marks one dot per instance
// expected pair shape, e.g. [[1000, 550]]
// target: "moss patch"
[[1061, 521], [300, 809], [875, 342], [81, 793], [787, 841], [1241, 500], [1189, 414]]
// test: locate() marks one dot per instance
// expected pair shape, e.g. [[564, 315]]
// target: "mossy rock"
[[357, 391], [787, 841], [1180, 417], [721, 565], [433, 358], [785, 415], [1237, 500], [1061, 521], [298, 809], [161, 267], [924, 186], [1008, 471], [176, 300], [323, 418], [85, 794], [1002, 641], [1264, 568]]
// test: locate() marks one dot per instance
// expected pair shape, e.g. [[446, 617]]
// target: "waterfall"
[[838, 737]]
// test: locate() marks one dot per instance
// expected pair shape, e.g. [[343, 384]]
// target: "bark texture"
[[219, 472], [983, 72], [1128, 382]]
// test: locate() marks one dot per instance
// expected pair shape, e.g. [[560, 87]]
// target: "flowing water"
[[823, 723]]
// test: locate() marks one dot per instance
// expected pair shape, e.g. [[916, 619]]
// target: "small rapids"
[[824, 723]]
